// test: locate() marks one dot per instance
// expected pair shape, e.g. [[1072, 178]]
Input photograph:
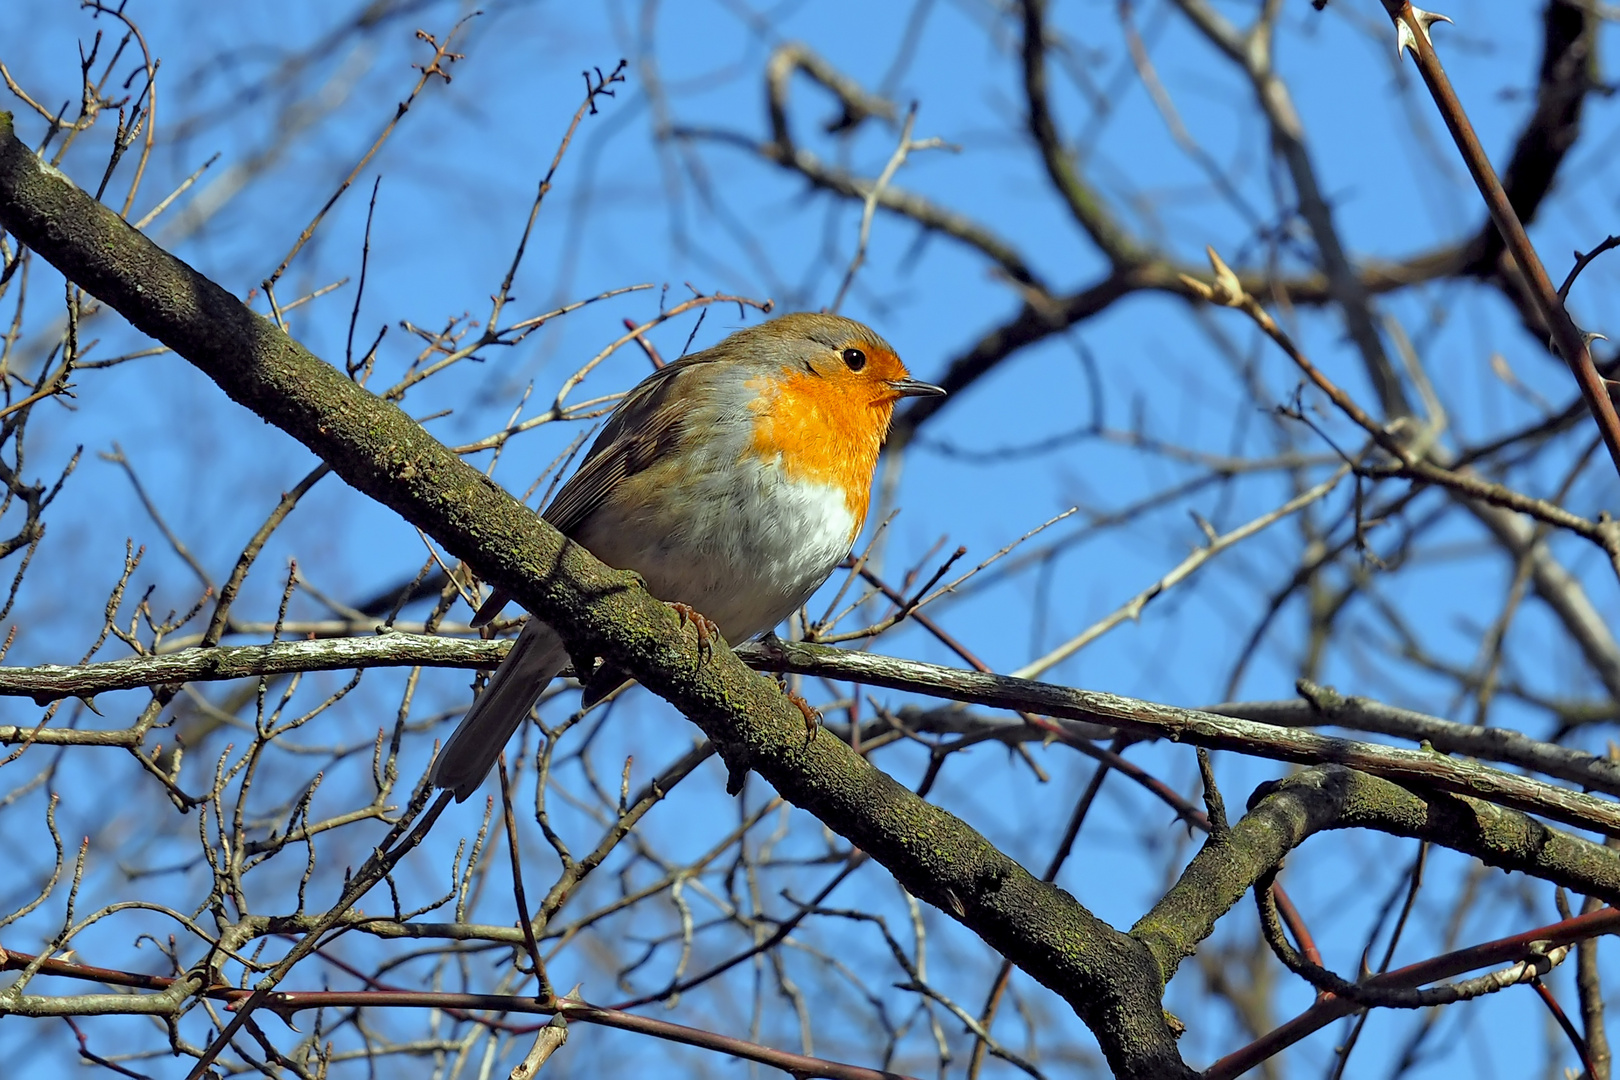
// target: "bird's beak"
[[915, 388]]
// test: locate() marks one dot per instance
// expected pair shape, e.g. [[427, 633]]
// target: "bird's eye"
[[854, 359]]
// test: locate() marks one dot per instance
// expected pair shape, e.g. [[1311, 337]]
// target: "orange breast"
[[821, 431]]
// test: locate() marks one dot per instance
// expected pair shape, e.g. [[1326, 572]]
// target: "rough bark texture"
[[1283, 814], [1109, 978]]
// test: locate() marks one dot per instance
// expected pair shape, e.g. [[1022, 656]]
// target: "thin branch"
[[904, 149], [1413, 33]]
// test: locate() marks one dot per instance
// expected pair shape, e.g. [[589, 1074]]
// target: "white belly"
[[742, 545]]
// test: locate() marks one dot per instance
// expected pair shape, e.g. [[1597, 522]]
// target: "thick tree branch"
[[1107, 977], [1284, 813]]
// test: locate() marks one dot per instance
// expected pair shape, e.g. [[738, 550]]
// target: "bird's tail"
[[536, 657]]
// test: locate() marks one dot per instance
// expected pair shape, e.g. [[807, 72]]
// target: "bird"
[[734, 481]]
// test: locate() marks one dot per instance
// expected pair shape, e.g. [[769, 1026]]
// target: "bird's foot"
[[811, 714], [707, 631]]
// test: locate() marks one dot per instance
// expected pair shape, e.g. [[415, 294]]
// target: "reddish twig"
[[1546, 995], [94, 1058], [1413, 28], [382, 861], [1330, 1007], [646, 344]]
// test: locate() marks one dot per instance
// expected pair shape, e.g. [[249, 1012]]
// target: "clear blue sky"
[[457, 180]]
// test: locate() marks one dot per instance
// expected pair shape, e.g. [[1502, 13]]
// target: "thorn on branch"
[[1406, 35]]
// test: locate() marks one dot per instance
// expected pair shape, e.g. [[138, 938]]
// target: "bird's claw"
[[812, 715], [707, 631]]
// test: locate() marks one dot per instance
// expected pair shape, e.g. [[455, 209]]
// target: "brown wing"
[[645, 426]]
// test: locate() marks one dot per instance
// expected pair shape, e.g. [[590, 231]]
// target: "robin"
[[734, 481]]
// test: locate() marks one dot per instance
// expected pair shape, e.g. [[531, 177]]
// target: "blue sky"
[[457, 180]]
